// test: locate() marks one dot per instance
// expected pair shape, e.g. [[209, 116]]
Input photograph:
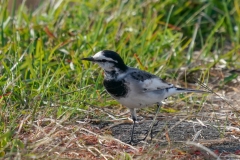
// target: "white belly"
[[142, 100]]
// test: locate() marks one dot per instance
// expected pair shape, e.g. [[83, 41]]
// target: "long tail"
[[176, 90]]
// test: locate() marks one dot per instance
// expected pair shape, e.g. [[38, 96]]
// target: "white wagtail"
[[132, 87]]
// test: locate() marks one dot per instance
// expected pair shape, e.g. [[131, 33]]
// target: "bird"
[[132, 87]]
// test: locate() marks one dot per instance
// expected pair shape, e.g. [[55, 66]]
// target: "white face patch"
[[108, 66], [100, 56]]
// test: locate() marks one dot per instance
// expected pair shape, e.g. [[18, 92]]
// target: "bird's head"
[[108, 60]]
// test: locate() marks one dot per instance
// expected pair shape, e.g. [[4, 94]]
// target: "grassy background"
[[40, 50]]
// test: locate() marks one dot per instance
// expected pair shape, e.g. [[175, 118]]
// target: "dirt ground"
[[209, 134], [221, 137], [216, 126], [195, 131]]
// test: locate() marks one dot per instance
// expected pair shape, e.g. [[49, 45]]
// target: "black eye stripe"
[[104, 60]]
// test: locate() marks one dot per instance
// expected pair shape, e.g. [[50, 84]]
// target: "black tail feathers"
[[191, 90]]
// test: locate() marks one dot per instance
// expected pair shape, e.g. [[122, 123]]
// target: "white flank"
[[155, 84]]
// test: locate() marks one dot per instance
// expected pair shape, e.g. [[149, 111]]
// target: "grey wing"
[[149, 82]]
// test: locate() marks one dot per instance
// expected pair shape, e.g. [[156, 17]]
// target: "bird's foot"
[[150, 132], [132, 142]]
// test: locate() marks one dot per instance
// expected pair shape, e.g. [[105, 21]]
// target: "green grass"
[[39, 46]]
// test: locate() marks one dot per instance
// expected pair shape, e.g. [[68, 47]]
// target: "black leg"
[[134, 118], [154, 119], [131, 140]]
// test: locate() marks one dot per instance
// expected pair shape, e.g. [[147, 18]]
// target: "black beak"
[[88, 59]]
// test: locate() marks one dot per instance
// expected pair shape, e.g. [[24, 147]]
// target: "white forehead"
[[99, 55]]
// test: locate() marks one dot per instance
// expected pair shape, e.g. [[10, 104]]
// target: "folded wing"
[[149, 82]]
